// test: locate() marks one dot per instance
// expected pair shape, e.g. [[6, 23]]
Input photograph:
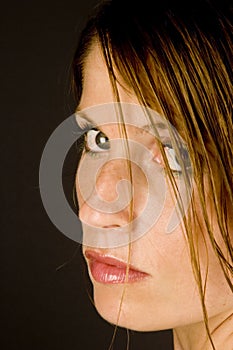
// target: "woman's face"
[[161, 292]]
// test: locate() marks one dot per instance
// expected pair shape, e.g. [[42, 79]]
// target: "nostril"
[[111, 226], [98, 218]]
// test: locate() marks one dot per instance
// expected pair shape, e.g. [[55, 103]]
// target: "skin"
[[168, 297]]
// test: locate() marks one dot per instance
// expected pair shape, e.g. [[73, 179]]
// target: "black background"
[[43, 306]]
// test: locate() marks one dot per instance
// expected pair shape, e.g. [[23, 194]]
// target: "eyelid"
[[87, 125], [83, 122]]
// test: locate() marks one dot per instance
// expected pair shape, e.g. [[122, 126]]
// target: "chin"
[[128, 315], [107, 301]]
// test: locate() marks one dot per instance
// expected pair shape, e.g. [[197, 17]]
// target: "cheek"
[[171, 297], [78, 190]]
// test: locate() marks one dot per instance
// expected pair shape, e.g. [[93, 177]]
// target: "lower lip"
[[110, 274]]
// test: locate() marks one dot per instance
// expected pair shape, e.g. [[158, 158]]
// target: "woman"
[[170, 63]]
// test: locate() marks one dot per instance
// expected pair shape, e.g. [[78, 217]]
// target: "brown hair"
[[178, 59]]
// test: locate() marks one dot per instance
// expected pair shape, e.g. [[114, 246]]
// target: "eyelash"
[[91, 153], [85, 127]]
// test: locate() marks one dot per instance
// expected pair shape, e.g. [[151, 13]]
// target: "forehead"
[[98, 104], [97, 88], [98, 91]]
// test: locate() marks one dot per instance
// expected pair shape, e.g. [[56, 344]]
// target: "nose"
[[109, 204]]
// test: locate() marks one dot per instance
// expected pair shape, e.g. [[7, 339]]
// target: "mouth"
[[109, 270]]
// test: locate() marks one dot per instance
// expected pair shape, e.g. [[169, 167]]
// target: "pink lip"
[[106, 269]]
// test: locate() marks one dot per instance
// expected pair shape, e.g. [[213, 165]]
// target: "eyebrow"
[[147, 127], [152, 126], [79, 113]]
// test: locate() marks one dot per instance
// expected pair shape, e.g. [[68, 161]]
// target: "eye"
[[96, 141], [173, 162], [171, 158]]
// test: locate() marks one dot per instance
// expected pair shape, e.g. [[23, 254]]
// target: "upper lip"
[[109, 260]]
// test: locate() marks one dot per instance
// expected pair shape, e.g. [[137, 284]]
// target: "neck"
[[194, 337]]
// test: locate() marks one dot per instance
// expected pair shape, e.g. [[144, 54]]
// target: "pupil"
[[102, 140]]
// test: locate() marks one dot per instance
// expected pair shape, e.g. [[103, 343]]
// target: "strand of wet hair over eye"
[[123, 132]]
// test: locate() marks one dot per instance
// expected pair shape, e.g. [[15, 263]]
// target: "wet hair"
[[177, 58]]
